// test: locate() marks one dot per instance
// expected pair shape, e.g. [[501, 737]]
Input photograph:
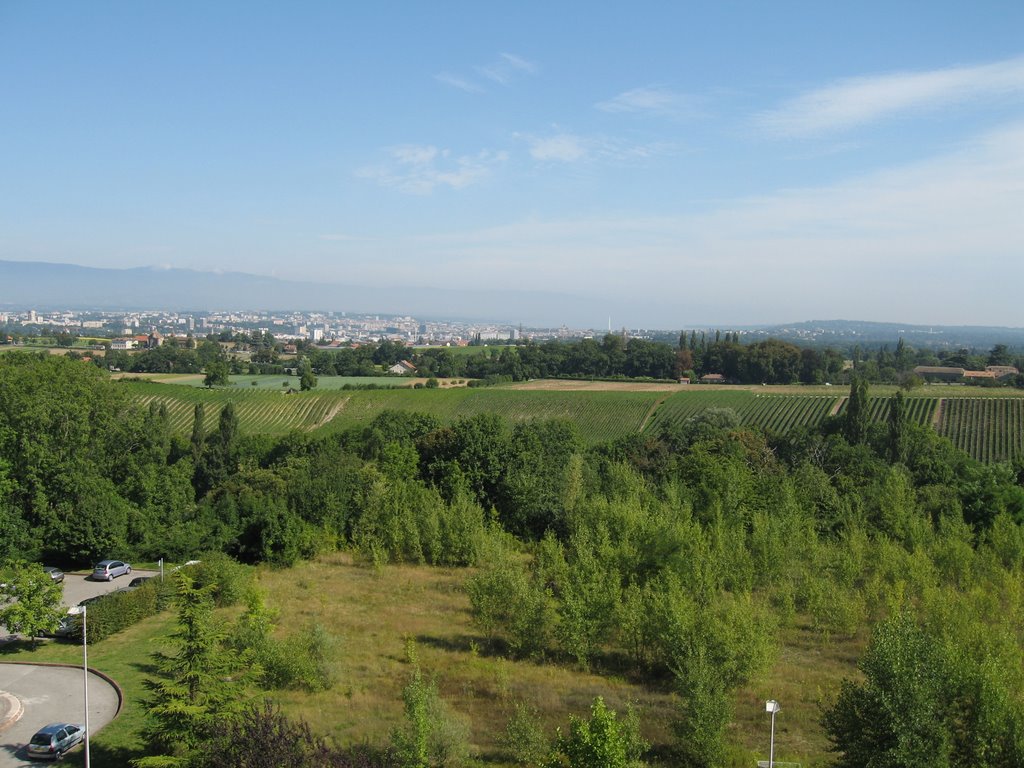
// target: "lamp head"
[[772, 706]]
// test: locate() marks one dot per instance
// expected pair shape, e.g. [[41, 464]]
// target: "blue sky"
[[674, 163]]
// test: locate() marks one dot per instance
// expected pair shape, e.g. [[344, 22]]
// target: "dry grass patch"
[[372, 613], [804, 680]]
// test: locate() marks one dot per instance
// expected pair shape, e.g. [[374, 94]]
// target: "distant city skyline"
[[739, 163]]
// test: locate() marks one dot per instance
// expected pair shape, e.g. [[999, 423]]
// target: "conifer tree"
[[198, 685]]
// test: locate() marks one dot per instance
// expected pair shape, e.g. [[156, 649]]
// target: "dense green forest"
[[672, 556]]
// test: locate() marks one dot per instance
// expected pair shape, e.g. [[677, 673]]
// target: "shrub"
[[298, 661], [230, 579], [600, 742], [262, 737], [511, 604], [524, 736], [432, 735]]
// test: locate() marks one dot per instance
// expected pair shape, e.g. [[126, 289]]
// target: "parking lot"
[[77, 588]]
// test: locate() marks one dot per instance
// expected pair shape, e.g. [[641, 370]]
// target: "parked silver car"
[[55, 739], [70, 624], [55, 573], [108, 570]]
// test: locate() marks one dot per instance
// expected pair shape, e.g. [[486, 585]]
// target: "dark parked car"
[[138, 581], [108, 570], [55, 573], [55, 739]]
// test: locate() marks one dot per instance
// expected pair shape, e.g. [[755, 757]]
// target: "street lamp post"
[[85, 670], [772, 706]]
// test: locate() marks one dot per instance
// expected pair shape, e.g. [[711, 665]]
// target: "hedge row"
[[123, 608]]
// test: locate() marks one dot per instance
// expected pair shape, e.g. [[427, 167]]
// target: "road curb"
[[92, 671], [11, 710]]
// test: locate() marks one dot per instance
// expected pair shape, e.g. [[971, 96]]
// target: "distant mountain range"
[[43, 286]]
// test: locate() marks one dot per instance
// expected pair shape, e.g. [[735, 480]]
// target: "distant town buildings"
[[142, 329]]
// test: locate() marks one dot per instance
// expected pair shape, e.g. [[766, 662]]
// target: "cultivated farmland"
[[989, 427], [259, 411], [772, 413], [600, 415]]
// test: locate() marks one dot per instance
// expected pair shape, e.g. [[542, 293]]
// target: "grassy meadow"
[[373, 614]]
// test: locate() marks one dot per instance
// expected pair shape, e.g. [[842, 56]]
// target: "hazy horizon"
[[666, 165]]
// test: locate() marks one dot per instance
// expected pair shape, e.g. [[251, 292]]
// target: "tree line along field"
[[988, 427]]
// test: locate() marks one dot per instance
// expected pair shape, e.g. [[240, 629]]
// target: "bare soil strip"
[[571, 385], [335, 409]]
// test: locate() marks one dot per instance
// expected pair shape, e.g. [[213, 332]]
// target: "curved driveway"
[[50, 695]]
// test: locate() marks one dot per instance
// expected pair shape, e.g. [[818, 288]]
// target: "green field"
[[279, 381], [322, 382], [987, 424]]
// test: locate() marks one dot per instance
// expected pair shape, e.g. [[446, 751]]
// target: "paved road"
[[77, 588], [50, 695]]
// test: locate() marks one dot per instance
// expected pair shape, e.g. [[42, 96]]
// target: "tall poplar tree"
[[855, 425], [198, 433], [897, 428]]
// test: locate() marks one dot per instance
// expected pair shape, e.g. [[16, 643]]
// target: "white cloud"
[[503, 71], [563, 147], [460, 83], [651, 99], [506, 68], [415, 155], [935, 241], [419, 170], [856, 101], [569, 147]]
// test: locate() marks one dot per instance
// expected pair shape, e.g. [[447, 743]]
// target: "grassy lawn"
[[372, 614]]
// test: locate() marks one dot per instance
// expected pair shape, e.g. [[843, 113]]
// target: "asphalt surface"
[[77, 588], [51, 695], [32, 696]]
